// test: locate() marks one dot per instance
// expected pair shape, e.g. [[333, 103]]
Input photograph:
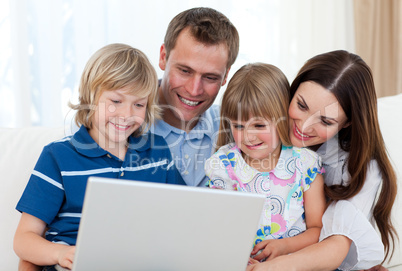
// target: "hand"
[[377, 268], [66, 257], [270, 249], [280, 263]]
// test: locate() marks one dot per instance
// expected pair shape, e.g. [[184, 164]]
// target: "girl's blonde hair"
[[113, 67], [255, 90]]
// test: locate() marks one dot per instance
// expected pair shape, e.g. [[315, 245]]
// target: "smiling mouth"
[[254, 146], [300, 133], [120, 127], [188, 102]]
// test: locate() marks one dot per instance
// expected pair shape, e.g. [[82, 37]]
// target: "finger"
[[264, 254], [252, 261], [260, 245], [250, 267]]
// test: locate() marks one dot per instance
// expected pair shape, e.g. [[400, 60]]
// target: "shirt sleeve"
[[44, 193], [217, 174], [311, 166], [351, 218]]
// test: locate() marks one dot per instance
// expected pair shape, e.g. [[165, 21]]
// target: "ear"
[[226, 77], [162, 57], [347, 124]]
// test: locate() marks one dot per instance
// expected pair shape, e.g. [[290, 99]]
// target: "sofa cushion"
[[20, 149], [389, 114]]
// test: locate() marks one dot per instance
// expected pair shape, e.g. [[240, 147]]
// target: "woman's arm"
[[325, 255], [30, 246], [314, 206]]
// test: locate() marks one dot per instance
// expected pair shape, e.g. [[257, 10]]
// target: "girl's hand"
[[280, 263], [270, 249], [66, 257]]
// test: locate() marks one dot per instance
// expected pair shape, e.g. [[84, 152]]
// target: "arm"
[[30, 246], [325, 255], [314, 205], [28, 266]]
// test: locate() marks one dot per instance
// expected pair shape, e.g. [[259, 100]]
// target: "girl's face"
[[258, 140], [315, 116], [117, 115]]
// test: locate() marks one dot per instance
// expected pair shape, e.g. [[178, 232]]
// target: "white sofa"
[[20, 149]]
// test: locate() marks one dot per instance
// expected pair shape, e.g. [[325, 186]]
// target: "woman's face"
[[315, 116]]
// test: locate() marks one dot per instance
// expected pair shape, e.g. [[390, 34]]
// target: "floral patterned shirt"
[[284, 186]]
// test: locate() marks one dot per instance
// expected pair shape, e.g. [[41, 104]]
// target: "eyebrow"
[[304, 101]]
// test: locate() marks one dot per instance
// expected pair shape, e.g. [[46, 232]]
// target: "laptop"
[[135, 225]]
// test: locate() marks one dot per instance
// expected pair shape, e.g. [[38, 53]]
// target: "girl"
[[255, 156], [334, 111], [117, 104]]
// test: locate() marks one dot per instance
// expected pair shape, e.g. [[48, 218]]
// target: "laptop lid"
[[133, 225]]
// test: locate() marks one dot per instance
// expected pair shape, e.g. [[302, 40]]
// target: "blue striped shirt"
[[55, 191], [191, 150]]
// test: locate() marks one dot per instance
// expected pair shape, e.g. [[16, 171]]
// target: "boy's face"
[[117, 115], [193, 75]]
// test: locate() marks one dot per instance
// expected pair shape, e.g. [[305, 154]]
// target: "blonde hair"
[[257, 90], [113, 67]]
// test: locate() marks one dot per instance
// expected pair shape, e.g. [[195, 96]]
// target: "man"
[[200, 46]]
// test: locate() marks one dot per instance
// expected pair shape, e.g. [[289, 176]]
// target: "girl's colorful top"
[[283, 212]]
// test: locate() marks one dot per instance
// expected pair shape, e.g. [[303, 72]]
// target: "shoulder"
[[305, 153], [227, 150], [307, 159], [213, 111], [58, 146]]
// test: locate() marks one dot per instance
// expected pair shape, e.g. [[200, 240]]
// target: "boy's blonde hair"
[[255, 90], [113, 67]]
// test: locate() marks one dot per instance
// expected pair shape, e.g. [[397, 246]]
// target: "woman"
[[333, 110]]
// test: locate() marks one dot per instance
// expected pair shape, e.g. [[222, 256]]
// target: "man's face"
[[193, 75]]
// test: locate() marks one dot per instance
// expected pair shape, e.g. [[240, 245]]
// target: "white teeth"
[[297, 130], [188, 102], [120, 126]]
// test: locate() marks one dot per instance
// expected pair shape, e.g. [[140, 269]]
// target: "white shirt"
[[353, 217]]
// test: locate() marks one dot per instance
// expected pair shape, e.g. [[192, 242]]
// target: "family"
[[313, 147]]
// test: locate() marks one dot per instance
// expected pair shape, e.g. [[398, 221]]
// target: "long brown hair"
[[350, 79]]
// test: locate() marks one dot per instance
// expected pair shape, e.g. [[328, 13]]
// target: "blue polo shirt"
[[55, 191], [190, 150]]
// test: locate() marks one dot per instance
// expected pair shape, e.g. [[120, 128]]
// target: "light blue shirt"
[[190, 150]]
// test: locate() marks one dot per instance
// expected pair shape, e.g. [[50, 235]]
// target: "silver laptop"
[[132, 225]]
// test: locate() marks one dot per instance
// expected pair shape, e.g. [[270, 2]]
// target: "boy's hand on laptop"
[[66, 256]]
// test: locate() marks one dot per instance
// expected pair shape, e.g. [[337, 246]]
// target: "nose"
[[126, 111], [250, 135], [307, 124], [194, 86]]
